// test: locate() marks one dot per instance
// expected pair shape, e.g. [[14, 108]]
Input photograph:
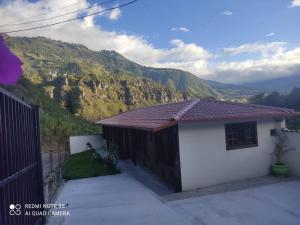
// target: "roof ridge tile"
[[179, 114]]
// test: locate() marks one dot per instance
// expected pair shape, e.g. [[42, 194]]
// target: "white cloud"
[[189, 57], [115, 14], [227, 13], [263, 48], [295, 3], [279, 64], [197, 67], [181, 29], [270, 34], [182, 51], [89, 21], [184, 29]]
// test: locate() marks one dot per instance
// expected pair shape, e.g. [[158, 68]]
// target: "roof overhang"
[[244, 118], [150, 129]]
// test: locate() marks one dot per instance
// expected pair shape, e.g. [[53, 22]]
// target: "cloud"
[[263, 48], [279, 64], [189, 57], [270, 34], [295, 3], [181, 29], [227, 13], [182, 51], [273, 60], [90, 20], [181, 55], [115, 14]]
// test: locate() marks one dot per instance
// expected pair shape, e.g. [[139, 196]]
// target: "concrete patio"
[[120, 199]]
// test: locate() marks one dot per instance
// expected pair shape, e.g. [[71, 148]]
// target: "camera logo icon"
[[15, 209]]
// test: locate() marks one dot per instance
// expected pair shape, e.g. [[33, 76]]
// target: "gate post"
[[37, 146]]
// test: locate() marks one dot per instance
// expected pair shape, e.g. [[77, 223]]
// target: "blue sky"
[[233, 41], [250, 21]]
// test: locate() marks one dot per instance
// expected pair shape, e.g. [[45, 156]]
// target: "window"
[[241, 135]]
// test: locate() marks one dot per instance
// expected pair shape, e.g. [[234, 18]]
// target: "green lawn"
[[82, 165]]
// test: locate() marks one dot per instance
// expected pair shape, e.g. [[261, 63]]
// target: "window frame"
[[245, 125]]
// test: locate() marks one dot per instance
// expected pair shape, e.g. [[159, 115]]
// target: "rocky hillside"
[[95, 98], [184, 81], [99, 84]]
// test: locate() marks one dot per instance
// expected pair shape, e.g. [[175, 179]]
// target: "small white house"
[[193, 144]]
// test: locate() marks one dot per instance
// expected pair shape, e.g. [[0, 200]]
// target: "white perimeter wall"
[[293, 158], [78, 143], [205, 161]]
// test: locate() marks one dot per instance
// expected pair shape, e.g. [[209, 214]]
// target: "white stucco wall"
[[78, 143], [293, 158], [205, 161]]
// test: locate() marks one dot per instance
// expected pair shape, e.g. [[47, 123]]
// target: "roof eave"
[[150, 129], [242, 118]]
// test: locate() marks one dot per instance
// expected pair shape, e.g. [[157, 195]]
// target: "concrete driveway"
[[276, 204], [113, 200], [120, 199]]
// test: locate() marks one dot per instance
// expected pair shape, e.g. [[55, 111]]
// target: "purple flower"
[[10, 65]]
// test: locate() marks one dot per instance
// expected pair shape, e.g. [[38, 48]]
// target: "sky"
[[232, 41]]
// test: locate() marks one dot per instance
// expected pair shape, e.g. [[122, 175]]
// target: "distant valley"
[[282, 84], [232, 91]]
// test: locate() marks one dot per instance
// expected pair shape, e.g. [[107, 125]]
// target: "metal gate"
[[21, 180]]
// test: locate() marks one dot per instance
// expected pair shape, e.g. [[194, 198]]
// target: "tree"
[[291, 100], [281, 147]]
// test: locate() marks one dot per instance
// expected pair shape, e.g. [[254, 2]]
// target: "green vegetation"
[[95, 84], [57, 123], [232, 91], [290, 100], [83, 165], [183, 81]]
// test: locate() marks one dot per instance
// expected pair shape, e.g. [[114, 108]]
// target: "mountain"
[[97, 84], [232, 91], [282, 84], [182, 80]]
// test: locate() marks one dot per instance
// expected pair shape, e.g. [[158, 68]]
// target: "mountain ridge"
[[99, 84], [283, 84]]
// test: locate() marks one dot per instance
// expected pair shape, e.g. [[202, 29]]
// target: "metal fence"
[[21, 180]]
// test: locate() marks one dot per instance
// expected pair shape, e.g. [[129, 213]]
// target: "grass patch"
[[82, 165]]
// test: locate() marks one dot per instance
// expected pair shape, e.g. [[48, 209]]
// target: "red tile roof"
[[161, 116]]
